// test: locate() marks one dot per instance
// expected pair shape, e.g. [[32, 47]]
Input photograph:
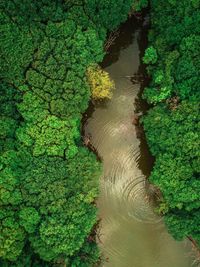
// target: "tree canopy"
[[48, 181], [173, 124]]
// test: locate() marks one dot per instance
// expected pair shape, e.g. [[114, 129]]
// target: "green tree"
[[48, 181], [172, 126]]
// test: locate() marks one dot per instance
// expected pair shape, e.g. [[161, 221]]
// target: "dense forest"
[[172, 125], [48, 179]]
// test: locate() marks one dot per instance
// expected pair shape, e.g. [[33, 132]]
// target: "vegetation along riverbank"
[[49, 181], [172, 125]]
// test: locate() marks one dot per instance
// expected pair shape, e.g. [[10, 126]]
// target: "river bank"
[[130, 232]]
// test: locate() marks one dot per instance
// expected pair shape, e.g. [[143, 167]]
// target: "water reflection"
[[131, 234]]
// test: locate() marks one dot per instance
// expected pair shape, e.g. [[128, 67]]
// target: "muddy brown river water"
[[131, 234]]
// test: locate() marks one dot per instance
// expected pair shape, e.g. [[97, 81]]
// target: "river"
[[131, 234]]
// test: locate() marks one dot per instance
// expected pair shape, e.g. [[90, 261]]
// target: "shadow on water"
[[123, 40], [141, 104], [132, 235]]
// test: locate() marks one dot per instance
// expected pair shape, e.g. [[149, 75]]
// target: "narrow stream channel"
[[131, 235]]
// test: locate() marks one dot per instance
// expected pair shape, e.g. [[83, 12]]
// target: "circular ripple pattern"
[[131, 235]]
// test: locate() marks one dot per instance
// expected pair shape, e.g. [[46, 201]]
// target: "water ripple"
[[131, 234]]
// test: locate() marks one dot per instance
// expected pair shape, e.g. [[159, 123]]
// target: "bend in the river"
[[131, 235]]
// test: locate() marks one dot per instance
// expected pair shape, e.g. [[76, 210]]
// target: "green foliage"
[[63, 200], [48, 182], [12, 235], [108, 14], [173, 125], [180, 230], [177, 46], [51, 136], [9, 117], [53, 187], [150, 55], [54, 207], [87, 256], [29, 218], [16, 57], [26, 259], [187, 70], [139, 4], [100, 83]]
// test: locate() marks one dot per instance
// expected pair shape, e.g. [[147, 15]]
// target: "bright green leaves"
[[11, 235], [181, 230], [173, 136], [63, 29], [54, 187], [33, 108], [176, 46], [10, 172], [9, 194], [56, 212], [188, 67], [57, 178], [173, 126], [29, 219], [56, 78], [176, 182], [48, 184], [52, 136], [93, 53], [64, 235], [16, 50], [182, 129], [150, 56], [162, 79]]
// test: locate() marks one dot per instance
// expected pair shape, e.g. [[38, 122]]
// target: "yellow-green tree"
[[100, 83]]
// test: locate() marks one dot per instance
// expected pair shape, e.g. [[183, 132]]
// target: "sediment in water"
[[131, 233]]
